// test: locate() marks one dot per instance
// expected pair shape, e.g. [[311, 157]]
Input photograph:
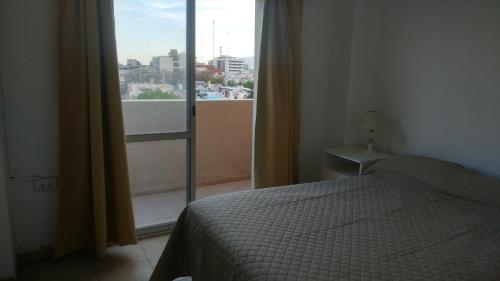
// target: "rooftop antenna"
[[228, 44], [201, 43], [213, 39]]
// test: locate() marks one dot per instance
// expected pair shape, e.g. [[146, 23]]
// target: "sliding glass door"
[[156, 53]]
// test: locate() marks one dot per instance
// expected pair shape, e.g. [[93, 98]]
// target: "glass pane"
[[151, 44], [225, 39], [157, 173]]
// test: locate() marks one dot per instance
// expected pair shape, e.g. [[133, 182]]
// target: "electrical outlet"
[[45, 184]]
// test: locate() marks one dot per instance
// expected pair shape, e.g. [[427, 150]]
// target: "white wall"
[[27, 37], [326, 45], [433, 68], [365, 59], [7, 258]]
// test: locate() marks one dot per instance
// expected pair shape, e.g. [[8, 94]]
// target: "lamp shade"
[[371, 120]]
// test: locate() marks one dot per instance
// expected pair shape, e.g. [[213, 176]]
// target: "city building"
[[174, 60], [181, 62], [133, 63], [201, 67], [228, 64], [163, 63], [249, 63]]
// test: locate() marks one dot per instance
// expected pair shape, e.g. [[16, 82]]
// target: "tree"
[[156, 94], [248, 84], [204, 76], [217, 81], [231, 83]]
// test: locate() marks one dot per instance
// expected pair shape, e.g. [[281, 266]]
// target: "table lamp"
[[371, 120]]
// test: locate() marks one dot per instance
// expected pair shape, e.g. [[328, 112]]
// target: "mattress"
[[408, 218]]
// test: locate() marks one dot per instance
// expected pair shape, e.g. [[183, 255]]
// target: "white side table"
[[348, 161]]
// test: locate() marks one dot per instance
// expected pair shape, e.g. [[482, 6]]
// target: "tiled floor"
[[158, 208], [129, 263]]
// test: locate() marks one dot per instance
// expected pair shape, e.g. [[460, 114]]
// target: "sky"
[[147, 28]]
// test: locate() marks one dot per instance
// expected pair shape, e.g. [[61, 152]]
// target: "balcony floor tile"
[[159, 208]]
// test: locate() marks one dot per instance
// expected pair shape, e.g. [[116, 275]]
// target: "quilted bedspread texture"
[[386, 225]]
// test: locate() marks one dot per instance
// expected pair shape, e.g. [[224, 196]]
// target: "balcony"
[[158, 169]]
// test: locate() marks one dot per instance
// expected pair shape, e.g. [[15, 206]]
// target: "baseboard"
[[149, 232], [41, 254], [222, 181]]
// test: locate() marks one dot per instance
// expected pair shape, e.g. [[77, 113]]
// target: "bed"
[[407, 218]]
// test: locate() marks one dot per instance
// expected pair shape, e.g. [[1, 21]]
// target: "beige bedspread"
[[409, 218]]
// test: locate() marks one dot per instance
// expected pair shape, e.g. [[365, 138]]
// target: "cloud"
[[168, 4], [173, 10], [170, 16], [140, 26]]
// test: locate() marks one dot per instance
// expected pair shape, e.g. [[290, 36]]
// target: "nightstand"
[[344, 162]]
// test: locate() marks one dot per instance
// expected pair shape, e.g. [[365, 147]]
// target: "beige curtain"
[[94, 206], [278, 95]]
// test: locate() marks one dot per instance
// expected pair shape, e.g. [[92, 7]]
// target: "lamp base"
[[371, 132], [369, 149]]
